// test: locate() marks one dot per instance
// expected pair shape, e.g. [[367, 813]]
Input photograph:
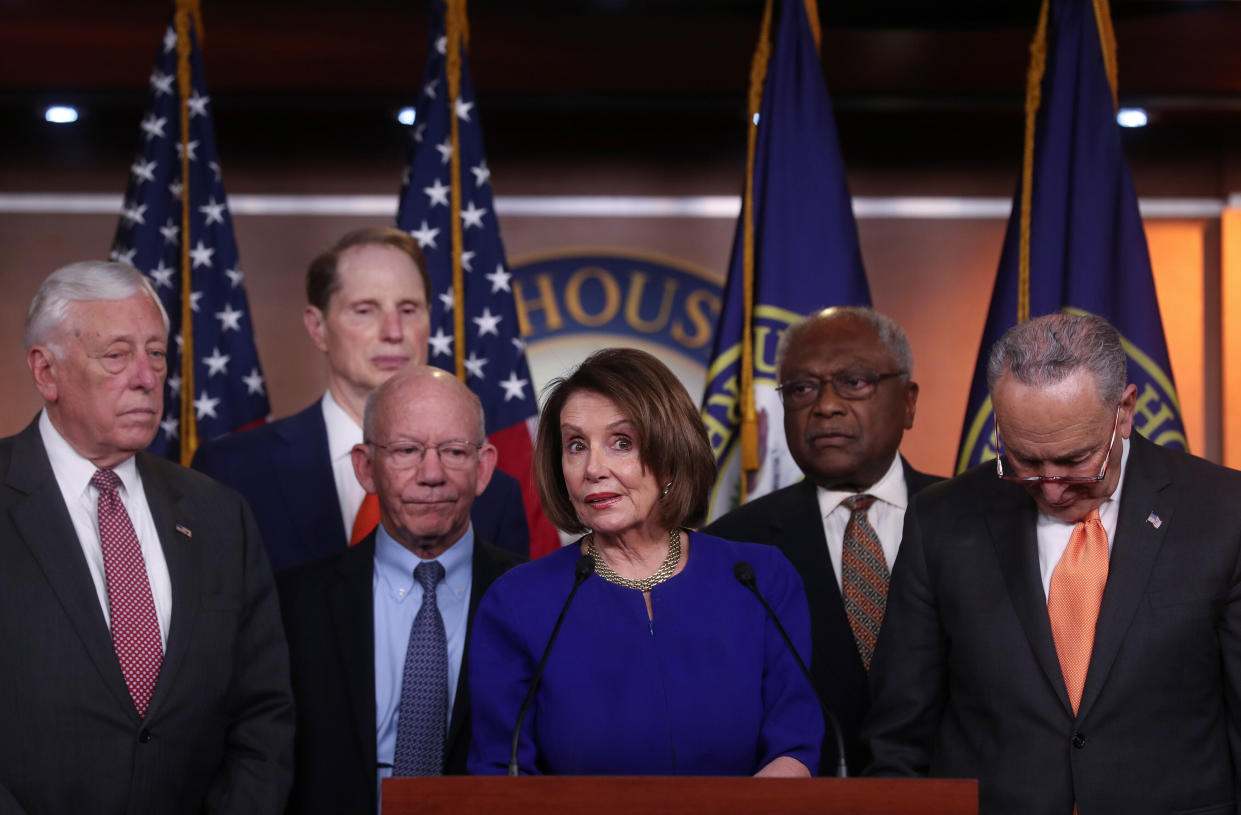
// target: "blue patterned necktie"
[[421, 725]]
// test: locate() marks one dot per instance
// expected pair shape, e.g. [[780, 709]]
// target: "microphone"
[[745, 576], [585, 568]]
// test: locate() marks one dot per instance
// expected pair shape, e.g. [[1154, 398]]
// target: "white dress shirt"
[[886, 515], [1053, 534], [73, 473], [342, 434]]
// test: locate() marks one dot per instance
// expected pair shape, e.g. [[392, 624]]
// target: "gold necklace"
[[661, 574]]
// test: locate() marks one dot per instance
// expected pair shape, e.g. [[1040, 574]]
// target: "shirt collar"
[[74, 470], [342, 431], [890, 489], [395, 564]]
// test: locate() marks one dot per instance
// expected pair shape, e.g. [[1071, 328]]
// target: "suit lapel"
[[170, 510], [1133, 555], [43, 522], [353, 617], [1012, 523]]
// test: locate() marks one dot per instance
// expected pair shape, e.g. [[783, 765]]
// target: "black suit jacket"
[[284, 470], [329, 615], [218, 733], [790, 519], [966, 681]]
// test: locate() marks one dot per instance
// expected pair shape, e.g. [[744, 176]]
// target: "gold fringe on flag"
[[456, 32], [185, 10]]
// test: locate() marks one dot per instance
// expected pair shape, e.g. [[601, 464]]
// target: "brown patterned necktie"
[[863, 577]]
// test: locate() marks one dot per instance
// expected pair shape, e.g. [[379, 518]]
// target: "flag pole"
[[456, 33], [189, 421]]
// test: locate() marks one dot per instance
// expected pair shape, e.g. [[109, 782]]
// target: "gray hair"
[[376, 396], [890, 333], [80, 282], [1049, 349]]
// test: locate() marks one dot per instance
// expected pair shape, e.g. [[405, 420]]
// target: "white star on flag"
[[253, 382], [519, 344], [425, 235], [446, 297], [441, 45], [419, 129], [487, 323], [170, 39], [440, 343], [213, 211], [125, 257], [161, 83], [201, 255], [437, 193], [474, 365], [170, 231], [230, 318], [143, 169], [499, 279], [162, 275], [197, 104], [174, 189], [466, 259], [189, 148], [445, 151], [217, 363], [234, 276], [429, 88], [204, 405], [174, 382], [169, 426], [514, 388], [482, 174], [195, 296], [473, 216], [153, 126], [134, 214], [463, 109], [215, 169]]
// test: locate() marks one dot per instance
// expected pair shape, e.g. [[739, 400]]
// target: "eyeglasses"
[[454, 455], [1052, 479], [852, 385]]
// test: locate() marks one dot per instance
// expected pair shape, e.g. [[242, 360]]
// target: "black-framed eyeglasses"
[[1051, 479], [852, 385], [454, 455]]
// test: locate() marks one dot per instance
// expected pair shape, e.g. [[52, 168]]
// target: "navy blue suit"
[[284, 470]]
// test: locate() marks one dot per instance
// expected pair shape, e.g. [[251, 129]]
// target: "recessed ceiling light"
[[1131, 117], [406, 116], [61, 114]]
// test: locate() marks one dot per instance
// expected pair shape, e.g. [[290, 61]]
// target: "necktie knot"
[[105, 481], [428, 575], [859, 503]]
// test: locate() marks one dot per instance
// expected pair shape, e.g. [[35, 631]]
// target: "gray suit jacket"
[[218, 734], [966, 683]]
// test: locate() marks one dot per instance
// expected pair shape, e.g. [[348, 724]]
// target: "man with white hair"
[[145, 666]]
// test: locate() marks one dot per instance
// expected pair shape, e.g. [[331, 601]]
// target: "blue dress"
[[706, 687]]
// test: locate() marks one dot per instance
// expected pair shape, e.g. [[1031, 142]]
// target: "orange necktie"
[[368, 519], [1073, 600]]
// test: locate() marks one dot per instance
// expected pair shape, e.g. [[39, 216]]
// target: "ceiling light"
[[1131, 117], [406, 116], [61, 114]]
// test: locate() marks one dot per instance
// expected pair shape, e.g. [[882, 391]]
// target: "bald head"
[[418, 380]]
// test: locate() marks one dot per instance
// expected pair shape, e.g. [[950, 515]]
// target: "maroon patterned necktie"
[[863, 577], [135, 628]]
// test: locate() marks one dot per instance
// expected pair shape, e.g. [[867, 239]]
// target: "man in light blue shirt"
[[378, 633]]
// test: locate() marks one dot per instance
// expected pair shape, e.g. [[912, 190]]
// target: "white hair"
[[79, 282], [891, 335]]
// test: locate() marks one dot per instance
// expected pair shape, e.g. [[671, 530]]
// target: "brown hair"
[[321, 278], [672, 440]]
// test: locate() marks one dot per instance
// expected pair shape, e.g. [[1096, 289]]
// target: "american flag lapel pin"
[[185, 530], [1154, 520]]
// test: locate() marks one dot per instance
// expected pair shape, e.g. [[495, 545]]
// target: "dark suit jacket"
[[966, 682], [789, 518], [218, 734], [284, 470], [330, 618]]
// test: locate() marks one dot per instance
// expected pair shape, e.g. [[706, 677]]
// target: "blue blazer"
[[284, 470]]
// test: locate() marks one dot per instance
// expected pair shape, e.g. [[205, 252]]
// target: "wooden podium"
[[625, 795]]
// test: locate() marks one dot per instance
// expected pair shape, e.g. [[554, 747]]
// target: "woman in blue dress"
[[665, 664]]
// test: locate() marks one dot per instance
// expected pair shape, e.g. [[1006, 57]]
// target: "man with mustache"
[[367, 313], [377, 633], [145, 667], [848, 393]]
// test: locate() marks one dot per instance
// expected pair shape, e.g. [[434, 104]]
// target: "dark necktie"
[[863, 577], [421, 725], [135, 628]]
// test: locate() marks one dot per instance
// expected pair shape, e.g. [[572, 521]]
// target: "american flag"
[[227, 389], [494, 353]]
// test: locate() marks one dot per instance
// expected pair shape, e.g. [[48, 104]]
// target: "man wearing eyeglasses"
[[1064, 624], [377, 633], [848, 394]]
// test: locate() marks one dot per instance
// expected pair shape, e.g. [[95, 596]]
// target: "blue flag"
[[1087, 246], [805, 251], [227, 391], [494, 353]]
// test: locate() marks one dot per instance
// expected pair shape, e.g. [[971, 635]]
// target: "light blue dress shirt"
[[397, 598]]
